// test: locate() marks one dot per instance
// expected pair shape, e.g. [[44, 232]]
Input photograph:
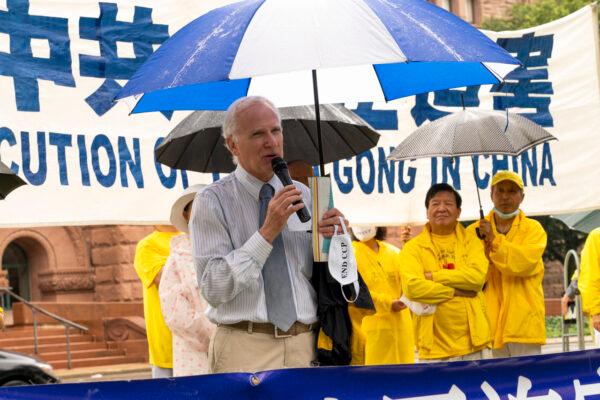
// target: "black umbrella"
[[196, 143], [9, 181]]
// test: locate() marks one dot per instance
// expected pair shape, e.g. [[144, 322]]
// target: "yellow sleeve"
[[147, 262], [589, 277], [520, 259], [414, 285], [382, 300], [470, 276]]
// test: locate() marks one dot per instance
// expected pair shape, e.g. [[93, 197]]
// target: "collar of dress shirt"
[[252, 184]]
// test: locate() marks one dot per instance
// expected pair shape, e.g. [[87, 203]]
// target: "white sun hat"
[[188, 195]]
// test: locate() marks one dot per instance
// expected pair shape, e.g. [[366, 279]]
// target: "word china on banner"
[[87, 161]]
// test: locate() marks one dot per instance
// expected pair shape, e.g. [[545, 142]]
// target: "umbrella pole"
[[481, 215], [318, 121]]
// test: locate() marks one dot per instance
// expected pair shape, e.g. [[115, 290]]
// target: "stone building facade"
[[72, 264]]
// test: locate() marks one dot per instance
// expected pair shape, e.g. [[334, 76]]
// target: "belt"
[[266, 327]]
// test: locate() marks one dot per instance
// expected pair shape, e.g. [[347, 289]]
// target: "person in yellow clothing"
[[589, 280], [514, 295], [446, 266], [385, 337], [150, 256]]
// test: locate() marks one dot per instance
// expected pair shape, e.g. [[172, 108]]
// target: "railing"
[[35, 309], [572, 255]]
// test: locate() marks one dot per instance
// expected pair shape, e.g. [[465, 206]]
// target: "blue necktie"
[[281, 309]]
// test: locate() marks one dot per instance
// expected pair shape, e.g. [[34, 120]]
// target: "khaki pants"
[[482, 354], [235, 350], [517, 349]]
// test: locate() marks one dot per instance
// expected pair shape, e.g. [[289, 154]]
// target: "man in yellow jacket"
[[589, 280], [514, 296], [445, 265]]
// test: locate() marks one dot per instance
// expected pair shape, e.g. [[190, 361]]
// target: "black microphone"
[[281, 170]]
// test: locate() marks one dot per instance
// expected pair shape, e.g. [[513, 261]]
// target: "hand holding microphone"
[[285, 202], [281, 170]]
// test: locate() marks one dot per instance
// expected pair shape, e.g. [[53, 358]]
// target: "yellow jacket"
[[459, 325], [385, 337], [589, 277], [150, 256], [513, 293]]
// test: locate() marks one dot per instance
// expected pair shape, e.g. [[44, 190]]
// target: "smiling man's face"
[[257, 140]]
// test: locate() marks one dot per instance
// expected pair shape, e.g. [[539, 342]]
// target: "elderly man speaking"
[[252, 269], [514, 295]]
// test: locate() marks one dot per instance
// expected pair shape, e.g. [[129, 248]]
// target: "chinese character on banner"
[[524, 385], [22, 65], [530, 79], [423, 111], [141, 33], [386, 120]]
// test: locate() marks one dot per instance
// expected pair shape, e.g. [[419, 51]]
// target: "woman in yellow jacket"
[[589, 281], [385, 337]]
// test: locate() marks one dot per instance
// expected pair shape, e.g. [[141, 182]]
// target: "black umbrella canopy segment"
[[9, 181], [197, 144], [472, 133], [584, 221]]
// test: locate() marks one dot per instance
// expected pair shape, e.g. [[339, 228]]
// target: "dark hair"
[[442, 187], [381, 233]]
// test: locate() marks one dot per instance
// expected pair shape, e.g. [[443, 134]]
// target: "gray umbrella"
[[470, 133], [584, 221], [9, 181], [196, 143]]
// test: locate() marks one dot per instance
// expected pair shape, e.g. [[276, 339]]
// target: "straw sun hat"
[[188, 195]]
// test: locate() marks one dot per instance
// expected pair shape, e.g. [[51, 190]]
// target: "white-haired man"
[[253, 271]]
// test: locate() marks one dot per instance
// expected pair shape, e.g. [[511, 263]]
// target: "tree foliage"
[[560, 238], [527, 15]]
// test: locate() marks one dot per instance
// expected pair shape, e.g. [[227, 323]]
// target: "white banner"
[[87, 161]]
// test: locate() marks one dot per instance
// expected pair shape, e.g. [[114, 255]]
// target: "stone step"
[[80, 354], [90, 362], [20, 332], [62, 347], [25, 341]]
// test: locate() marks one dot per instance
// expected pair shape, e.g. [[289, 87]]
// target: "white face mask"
[[502, 215], [365, 233]]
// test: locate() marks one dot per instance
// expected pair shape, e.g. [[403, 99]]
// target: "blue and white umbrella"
[[364, 50]]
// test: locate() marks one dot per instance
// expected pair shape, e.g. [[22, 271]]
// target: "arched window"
[[14, 262], [445, 4], [470, 11]]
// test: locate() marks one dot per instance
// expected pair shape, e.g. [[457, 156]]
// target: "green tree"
[[527, 15]]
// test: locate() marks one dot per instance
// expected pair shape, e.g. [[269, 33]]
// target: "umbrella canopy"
[[9, 181], [365, 50], [584, 221], [196, 143], [472, 132]]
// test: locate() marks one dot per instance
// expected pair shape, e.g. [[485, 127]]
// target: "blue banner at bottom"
[[563, 376]]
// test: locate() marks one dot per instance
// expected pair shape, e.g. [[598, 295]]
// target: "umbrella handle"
[[479, 234], [477, 230]]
